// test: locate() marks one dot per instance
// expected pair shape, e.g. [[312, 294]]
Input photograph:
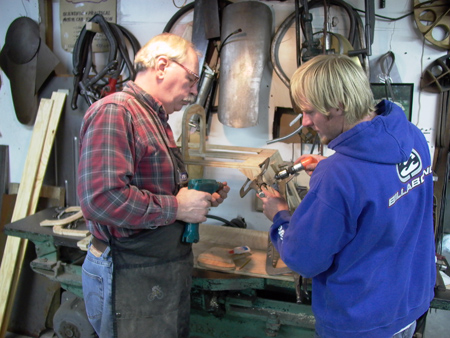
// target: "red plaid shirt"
[[126, 176]]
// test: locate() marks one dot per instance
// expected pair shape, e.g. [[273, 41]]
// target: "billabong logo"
[[281, 232], [410, 168]]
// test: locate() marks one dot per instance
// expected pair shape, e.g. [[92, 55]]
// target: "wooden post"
[[41, 143]]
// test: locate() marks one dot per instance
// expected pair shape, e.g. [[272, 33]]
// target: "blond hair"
[[168, 44], [332, 81]]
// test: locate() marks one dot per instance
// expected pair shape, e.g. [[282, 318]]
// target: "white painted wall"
[[12, 132], [147, 18]]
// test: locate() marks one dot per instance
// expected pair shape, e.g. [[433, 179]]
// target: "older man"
[[137, 273]]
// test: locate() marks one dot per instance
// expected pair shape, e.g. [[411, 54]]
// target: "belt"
[[98, 245]]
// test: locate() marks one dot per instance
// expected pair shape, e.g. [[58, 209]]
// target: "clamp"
[[257, 182]]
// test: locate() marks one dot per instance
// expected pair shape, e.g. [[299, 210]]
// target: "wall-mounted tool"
[[436, 77], [354, 37], [431, 17], [258, 182], [293, 169]]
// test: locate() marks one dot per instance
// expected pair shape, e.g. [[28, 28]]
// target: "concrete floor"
[[437, 326]]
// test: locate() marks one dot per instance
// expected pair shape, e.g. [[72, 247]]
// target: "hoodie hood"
[[387, 138]]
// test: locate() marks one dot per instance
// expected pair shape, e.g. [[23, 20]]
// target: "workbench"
[[240, 302], [226, 301]]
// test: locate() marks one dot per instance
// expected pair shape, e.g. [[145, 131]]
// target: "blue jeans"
[[408, 333], [97, 292]]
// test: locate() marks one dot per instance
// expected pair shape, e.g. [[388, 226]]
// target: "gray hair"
[[170, 45]]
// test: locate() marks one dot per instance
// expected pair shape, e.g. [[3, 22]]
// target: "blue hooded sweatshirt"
[[364, 232]]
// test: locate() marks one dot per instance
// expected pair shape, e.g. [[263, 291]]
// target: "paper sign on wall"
[[73, 16]]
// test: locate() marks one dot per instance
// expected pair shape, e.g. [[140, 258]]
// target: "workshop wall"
[[146, 18]]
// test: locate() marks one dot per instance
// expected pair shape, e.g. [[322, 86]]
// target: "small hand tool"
[[272, 260], [293, 169], [257, 182]]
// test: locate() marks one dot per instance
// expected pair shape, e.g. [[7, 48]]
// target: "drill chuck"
[[293, 169]]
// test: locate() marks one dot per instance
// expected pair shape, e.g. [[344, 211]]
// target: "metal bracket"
[[257, 182], [271, 261]]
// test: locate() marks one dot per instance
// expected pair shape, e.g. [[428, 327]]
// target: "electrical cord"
[[386, 17], [234, 223], [182, 11], [91, 83]]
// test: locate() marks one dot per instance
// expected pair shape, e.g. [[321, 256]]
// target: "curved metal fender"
[[244, 58]]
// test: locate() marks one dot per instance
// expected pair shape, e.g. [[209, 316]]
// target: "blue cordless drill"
[[190, 234]]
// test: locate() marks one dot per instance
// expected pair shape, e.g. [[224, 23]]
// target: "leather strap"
[[98, 244]]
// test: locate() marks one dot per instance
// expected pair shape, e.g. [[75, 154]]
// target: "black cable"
[[104, 81], [219, 50], [230, 224], [385, 17], [182, 11], [221, 219]]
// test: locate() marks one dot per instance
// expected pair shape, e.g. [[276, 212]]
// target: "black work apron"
[[151, 283], [153, 272]]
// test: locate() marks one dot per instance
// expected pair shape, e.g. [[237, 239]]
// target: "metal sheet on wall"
[[244, 58]]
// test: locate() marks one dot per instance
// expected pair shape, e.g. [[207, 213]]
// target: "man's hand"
[[219, 196], [272, 203], [310, 167], [193, 205]]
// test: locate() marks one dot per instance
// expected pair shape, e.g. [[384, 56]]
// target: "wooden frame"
[[247, 160]]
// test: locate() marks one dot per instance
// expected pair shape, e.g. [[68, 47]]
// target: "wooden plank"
[[56, 194], [62, 230], [225, 148], [33, 160], [247, 160], [14, 248], [4, 174], [37, 159], [84, 243], [227, 238], [7, 208], [58, 99]]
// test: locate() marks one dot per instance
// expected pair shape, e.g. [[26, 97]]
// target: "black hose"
[[93, 88], [234, 223], [182, 11], [279, 34]]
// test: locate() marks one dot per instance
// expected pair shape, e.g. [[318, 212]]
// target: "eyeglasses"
[[195, 75]]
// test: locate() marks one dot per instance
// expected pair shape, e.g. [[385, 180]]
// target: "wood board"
[[246, 159], [227, 238], [42, 139]]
